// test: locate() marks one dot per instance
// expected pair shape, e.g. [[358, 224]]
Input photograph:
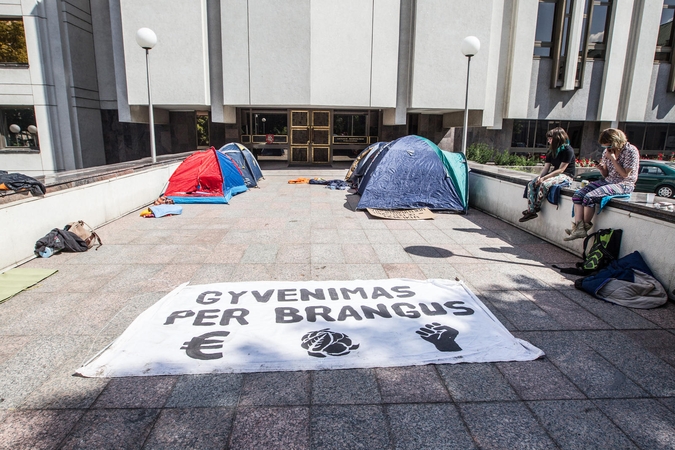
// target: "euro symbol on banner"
[[194, 347]]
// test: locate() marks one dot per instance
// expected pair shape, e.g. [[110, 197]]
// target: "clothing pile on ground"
[[162, 200], [59, 240], [627, 281], [162, 210], [19, 182], [300, 180], [74, 237], [330, 184]]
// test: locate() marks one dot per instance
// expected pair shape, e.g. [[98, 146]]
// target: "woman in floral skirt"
[[558, 167], [619, 168]]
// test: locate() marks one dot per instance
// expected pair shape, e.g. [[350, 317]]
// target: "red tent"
[[205, 177]]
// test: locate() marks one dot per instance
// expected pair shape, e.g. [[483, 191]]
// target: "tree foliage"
[[12, 42]]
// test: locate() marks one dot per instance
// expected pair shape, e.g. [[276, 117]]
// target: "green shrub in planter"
[[480, 152], [483, 153], [503, 158]]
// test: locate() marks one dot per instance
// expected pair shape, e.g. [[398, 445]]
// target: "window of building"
[[12, 42], [552, 35], [651, 138], [597, 15], [203, 135], [355, 130], [350, 124], [664, 42], [18, 128], [543, 38], [265, 133], [530, 135]]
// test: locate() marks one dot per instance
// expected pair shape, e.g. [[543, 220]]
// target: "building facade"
[[316, 81]]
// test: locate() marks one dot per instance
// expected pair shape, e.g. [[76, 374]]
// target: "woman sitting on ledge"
[[619, 168], [560, 157]]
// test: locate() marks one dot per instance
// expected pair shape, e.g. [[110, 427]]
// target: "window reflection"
[[349, 124], [664, 41], [597, 42], [650, 138], [552, 38], [666, 27], [265, 133], [18, 127], [543, 39], [545, 18], [13, 42], [531, 134], [655, 139]]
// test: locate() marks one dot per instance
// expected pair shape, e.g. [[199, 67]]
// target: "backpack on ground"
[[605, 249], [84, 232]]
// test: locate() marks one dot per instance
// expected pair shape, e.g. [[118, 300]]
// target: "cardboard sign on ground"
[[402, 214]]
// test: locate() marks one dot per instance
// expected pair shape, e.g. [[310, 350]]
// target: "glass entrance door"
[[310, 136]]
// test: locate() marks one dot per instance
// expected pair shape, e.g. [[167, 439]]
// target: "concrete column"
[[497, 64], [574, 39], [615, 60], [640, 62], [123, 110], [523, 27], [404, 61]]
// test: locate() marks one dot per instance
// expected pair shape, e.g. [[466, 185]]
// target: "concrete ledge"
[[97, 196], [499, 192]]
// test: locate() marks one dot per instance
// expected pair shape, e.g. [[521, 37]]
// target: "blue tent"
[[205, 177], [362, 162], [412, 172], [246, 162]]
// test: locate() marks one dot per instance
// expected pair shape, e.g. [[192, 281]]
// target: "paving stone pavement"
[[607, 380]]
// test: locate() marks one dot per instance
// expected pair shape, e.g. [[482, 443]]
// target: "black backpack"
[[605, 248]]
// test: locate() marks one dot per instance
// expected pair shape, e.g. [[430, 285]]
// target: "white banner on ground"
[[277, 325]]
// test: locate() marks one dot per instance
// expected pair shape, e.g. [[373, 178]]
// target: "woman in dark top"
[[558, 167]]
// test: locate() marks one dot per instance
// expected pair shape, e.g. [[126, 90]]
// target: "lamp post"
[[263, 121], [147, 39], [470, 46]]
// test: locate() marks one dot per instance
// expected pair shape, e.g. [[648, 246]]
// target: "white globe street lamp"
[[470, 46], [147, 39]]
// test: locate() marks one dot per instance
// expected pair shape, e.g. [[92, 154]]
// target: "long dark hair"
[[558, 139]]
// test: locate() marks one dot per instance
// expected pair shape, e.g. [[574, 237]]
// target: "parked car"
[[653, 176]]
